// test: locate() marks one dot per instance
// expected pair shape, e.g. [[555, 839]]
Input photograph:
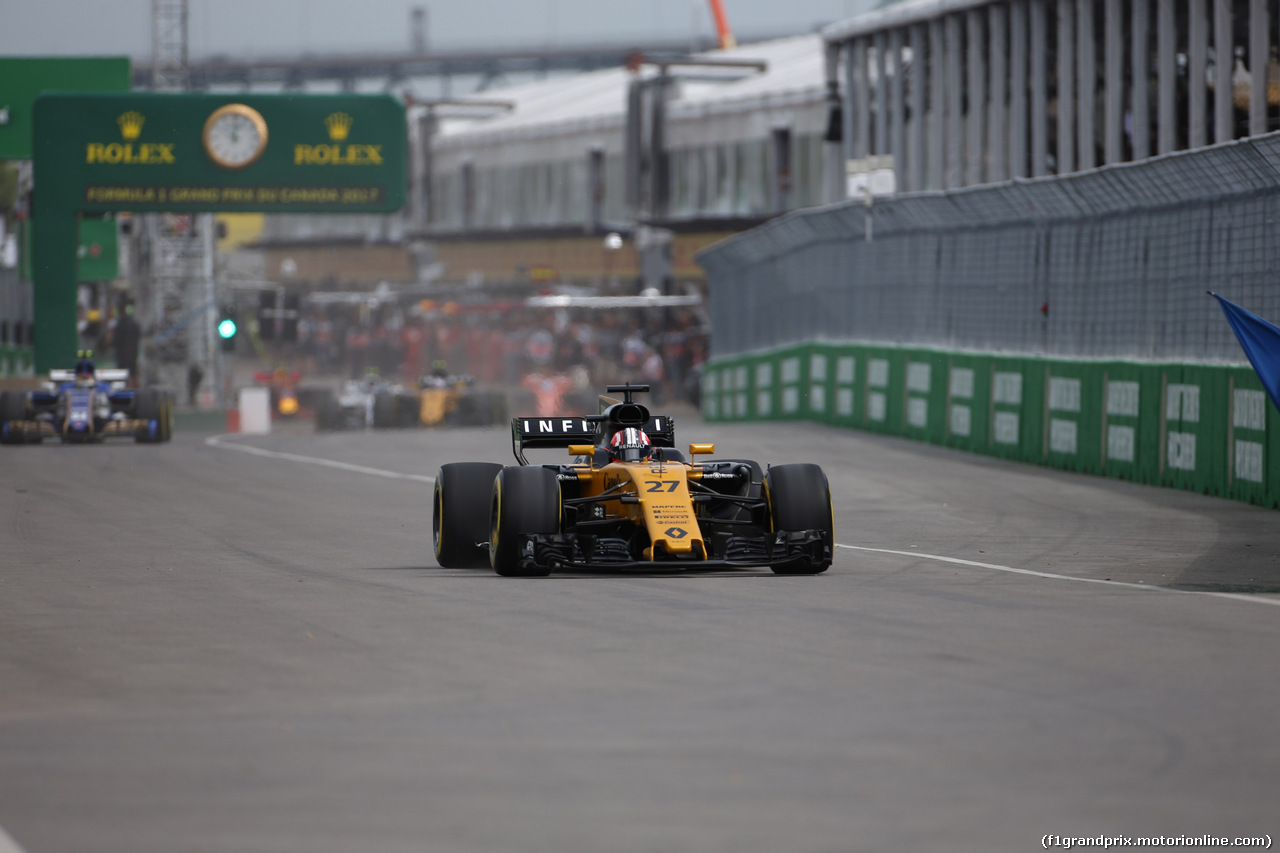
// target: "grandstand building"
[[523, 187], [954, 93], [679, 153]]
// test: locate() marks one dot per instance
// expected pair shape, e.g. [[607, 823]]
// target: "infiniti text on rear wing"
[[535, 433]]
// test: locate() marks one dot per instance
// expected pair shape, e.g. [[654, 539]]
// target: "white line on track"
[[7, 844], [1050, 575], [220, 441]]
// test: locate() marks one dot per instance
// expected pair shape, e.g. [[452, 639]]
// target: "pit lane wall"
[[1205, 428]]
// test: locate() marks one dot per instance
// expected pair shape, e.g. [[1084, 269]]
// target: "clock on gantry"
[[235, 136]]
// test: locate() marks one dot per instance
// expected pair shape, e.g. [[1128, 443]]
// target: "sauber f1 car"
[[85, 405], [631, 501]]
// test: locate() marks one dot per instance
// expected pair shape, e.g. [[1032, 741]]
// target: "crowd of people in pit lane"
[[577, 350]]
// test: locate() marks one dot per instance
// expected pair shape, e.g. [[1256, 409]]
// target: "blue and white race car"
[[85, 405]]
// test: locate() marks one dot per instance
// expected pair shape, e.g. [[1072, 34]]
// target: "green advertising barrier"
[[968, 383], [1204, 428], [152, 151]]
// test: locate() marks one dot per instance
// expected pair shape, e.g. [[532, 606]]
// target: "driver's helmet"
[[85, 373], [630, 445]]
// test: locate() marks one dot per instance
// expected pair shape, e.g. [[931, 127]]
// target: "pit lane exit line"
[[217, 441], [1051, 576], [7, 844]]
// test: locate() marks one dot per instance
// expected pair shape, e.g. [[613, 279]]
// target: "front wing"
[[30, 430], [784, 549]]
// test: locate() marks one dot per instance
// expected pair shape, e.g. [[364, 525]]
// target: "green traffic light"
[[227, 328]]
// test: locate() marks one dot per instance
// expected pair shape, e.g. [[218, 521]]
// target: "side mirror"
[[701, 449]]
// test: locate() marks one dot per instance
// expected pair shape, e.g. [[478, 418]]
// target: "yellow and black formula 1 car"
[[629, 501]]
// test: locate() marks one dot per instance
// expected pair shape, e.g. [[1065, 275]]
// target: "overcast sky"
[[260, 28]]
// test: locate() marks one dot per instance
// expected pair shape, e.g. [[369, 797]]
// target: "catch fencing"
[[1061, 321], [1112, 263]]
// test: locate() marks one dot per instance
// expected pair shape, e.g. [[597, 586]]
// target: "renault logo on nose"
[[675, 532]]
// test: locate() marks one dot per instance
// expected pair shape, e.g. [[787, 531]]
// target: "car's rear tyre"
[[799, 498], [526, 500], [149, 408], [328, 412], [384, 410], [13, 407], [460, 520], [406, 410]]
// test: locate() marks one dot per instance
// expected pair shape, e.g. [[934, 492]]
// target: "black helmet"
[[85, 371]]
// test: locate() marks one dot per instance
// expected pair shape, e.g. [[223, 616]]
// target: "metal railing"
[[1110, 263]]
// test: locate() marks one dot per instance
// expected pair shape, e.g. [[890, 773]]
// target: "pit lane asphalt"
[[212, 650]]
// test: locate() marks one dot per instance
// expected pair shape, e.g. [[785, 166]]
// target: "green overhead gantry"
[[152, 152]]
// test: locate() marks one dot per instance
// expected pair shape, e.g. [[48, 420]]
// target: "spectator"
[[125, 341]]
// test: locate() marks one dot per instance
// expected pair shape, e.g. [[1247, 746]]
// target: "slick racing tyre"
[[460, 521], [13, 408], [526, 500], [328, 412], [799, 498], [406, 410], [384, 410], [154, 408]]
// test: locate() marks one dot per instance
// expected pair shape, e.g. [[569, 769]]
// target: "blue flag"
[[1260, 341]]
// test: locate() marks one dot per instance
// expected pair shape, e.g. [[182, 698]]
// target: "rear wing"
[[535, 432], [106, 374]]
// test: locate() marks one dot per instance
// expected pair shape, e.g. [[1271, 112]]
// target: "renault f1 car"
[[95, 406], [631, 501], [456, 401]]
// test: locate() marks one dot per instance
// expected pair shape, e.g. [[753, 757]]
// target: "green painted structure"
[[22, 80], [1206, 428], [25, 78], [146, 152]]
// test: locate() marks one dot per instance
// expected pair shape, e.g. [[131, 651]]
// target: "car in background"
[[438, 400], [283, 384], [365, 403], [454, 400], [86, 405]]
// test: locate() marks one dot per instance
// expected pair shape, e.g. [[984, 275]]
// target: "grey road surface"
[[209, 649]]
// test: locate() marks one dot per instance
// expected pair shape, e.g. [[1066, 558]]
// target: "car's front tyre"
[[150, 410], [799, 498], [13, 408], [328, 412], [526, 500]]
